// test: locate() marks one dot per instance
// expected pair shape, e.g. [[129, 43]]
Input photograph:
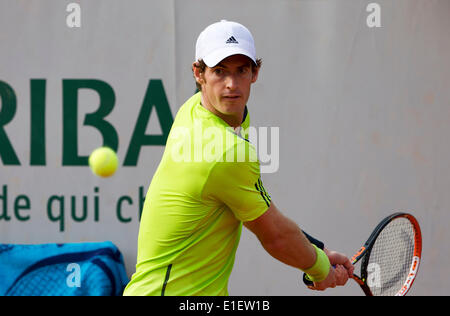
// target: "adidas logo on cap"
[[232, 40]]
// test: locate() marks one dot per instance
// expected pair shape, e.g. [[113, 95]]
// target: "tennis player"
[[208, 185]]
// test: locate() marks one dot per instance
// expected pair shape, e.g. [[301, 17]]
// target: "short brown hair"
[[202, 67]]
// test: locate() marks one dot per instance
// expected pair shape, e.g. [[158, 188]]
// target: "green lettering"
[[19, 206], [4, 197], [154, 97], [141, 200], [60, 216], [96, 119], [37, 128], [96, 205], [8, 110], [84, 209], [119, 208]]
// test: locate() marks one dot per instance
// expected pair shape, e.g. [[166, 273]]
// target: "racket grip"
[[307, 281], [314, 241]]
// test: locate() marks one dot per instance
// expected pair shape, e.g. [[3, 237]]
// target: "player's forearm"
[[283, 239], [291, 246]]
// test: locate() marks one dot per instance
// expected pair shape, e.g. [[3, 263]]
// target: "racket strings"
[[391, 258]]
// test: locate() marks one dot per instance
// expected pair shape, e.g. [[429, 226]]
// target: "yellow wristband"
[[319, 271]]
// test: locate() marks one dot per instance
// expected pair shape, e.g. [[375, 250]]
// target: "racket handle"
[[314, 241], [307, 281]]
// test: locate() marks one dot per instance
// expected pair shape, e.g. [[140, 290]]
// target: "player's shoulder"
[[184, 115]]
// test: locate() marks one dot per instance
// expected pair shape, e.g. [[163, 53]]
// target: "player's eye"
[[218, 71], [243, 70]]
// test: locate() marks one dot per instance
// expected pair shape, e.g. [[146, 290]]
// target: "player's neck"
[[232, 120]]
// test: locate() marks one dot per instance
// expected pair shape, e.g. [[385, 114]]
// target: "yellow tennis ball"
[[103, 162]]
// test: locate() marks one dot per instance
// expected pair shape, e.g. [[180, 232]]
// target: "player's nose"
[[231, 82]]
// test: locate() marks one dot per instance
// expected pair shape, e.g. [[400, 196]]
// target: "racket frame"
[[364, 252]]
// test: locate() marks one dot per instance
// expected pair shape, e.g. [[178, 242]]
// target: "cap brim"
[[217, 56]]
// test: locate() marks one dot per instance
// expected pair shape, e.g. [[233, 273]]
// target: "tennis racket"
[[390, 258]]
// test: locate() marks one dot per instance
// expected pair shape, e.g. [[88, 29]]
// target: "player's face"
[[226, 88]]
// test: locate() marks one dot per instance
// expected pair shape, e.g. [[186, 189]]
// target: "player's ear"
[[255, 72], [197, 73]]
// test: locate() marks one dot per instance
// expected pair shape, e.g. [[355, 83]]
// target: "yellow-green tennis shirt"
[[207, 184]]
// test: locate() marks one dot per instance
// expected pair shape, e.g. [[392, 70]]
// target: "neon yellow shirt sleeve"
[[239, 186]]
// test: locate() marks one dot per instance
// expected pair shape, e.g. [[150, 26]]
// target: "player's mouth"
[[231, 96]]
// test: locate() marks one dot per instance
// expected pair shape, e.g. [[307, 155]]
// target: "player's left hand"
[[342, 271]]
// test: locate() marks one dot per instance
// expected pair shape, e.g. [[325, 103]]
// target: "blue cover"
[[62, 269]]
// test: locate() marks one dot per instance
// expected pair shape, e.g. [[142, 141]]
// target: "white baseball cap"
[[223, 39]]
